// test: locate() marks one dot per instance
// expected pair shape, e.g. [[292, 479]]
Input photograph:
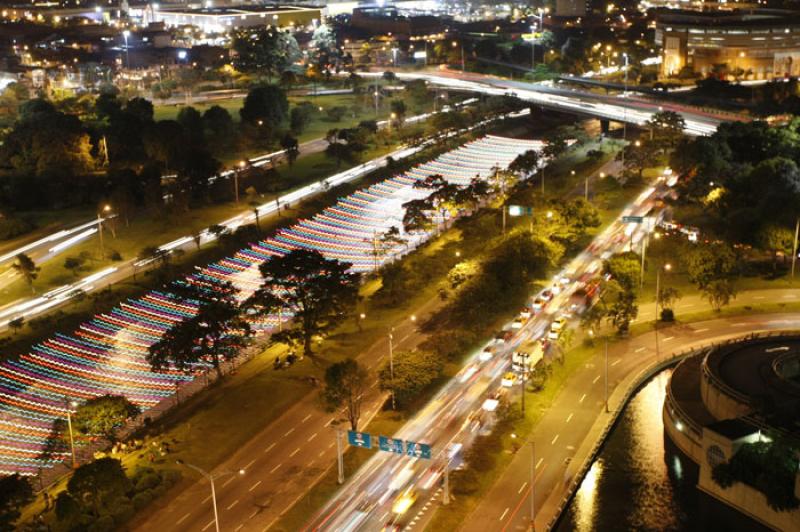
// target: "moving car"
[[509, 379]]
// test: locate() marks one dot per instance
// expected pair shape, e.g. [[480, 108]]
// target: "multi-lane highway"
[[389, 490], [619, 109]]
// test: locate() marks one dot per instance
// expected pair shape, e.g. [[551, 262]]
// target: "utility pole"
[[586, 189], [446, 496], [533, 485], [524, 374], [794, 248], [100, 232], [606, 374], [69, 405], [391, 363], [340, 457]]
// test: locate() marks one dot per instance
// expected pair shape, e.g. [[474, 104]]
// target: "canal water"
[[641, 481]]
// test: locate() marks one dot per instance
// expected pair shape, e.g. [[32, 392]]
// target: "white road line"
[[207, 499], [208, 525], [238, 528], [554, 440], [295, 452], [228, 481], [739, 324], [582, 398], [668, 338], [252, 515], [268, 449], [313, 436], [522, 487], [254, 486], [688, 305], [501, 517], [759, 297], [539, 463], [331, 420], [276, 467], [234, 503], [182, 519], [790, 296], [700, 330], [569, 417], [384, 516], [306, 418], [320, 454], [289, 432], [615, 362], [596, 379], [640, 350], [253, 461], [331, 445]]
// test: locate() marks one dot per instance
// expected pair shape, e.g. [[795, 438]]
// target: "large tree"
[[319, 292], [267, 104], [345, 387], [267, 50], [215, 333], [103, 415], [625, 268], [413, 372], [666, 128], [99, 485], [15, 493], [25, 266]]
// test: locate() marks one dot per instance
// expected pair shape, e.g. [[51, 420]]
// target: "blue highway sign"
[[359, 439]]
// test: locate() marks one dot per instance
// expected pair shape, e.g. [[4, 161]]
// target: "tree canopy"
[[103, 415], [319, 292], [345, 386]]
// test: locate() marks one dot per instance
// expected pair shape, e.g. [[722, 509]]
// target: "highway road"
[[281, 462], [619, 109], [390, 490], [284, 459], [571, 421]]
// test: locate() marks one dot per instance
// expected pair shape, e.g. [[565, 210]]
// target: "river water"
[[642, 482]]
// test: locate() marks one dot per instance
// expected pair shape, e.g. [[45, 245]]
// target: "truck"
[[528, 355]]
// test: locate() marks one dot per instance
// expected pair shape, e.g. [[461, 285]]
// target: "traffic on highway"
[[391, 492]]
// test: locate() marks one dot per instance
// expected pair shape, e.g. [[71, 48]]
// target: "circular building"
[[743, 395]]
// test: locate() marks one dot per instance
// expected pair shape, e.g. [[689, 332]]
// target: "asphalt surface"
[[281, 462], [571, 422]]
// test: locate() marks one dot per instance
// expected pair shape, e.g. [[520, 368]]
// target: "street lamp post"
[[236, 171], [100, 218], [71, 404], [533, 485], [211, 478], [125, 35], [667, 267], [462, 53], [625, 107], [391, 363]]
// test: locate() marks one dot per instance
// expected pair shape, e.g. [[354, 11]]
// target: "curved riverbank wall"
[[688, 439]]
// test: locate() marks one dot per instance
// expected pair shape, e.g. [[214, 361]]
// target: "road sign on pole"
[[390, 445], [359, 439], [520, 210], [632, 219], [419, 450]]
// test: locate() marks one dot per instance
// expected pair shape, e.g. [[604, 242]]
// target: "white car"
[[558, 323]]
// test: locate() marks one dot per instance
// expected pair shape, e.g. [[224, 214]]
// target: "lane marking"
[[739, 324], [596, 379], [331, 420], [312, 436], [582, 398], [668, 338], [790, 296], [182, 519], [501, 517], [208, 525], [295, 452], [759, 297], [289, 432], [522, 488], [254, 486], [640, 350], [268, 449], [249, 464], [554, 440], [617, 361], [234, 503], [700, 330], [207, 499], [320, 454], [276, 467], [306, 418], [238, 528], [569, 417], [539, 463], [228, 481]]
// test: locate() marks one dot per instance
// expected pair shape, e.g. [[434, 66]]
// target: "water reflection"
[[641, 481], [630, 486]]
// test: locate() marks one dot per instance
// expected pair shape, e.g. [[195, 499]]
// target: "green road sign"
[[632, 219]]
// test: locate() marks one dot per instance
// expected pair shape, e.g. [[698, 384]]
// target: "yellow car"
[[509, 379]]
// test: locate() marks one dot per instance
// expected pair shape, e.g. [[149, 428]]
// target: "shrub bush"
[[142, 499], [147, 481]]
